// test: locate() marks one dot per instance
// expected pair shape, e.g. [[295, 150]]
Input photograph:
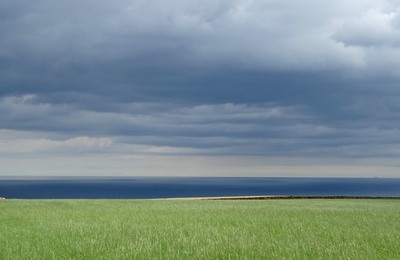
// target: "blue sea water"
[[143, 187]]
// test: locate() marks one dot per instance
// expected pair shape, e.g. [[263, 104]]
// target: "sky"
[[200, 88]]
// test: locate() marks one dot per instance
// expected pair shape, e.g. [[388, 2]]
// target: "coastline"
[[277, 197]]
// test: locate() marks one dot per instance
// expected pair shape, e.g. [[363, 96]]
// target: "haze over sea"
[[167, 187]]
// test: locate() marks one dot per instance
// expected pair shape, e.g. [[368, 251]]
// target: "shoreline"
[[257, 197], [266, 197]]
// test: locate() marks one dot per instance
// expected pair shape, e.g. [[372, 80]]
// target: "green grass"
[[150, 229]]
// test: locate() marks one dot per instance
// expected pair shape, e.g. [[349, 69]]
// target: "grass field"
[[157, 229]]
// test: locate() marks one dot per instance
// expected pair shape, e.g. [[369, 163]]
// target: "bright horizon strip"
[[226, 166]]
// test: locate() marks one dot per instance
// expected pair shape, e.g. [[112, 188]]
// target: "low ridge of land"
[[269, 197]]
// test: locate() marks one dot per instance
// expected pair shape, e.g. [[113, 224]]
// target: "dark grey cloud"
[[212, 129], [67, 37], [248, 78]]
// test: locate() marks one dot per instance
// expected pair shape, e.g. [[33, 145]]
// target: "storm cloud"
[[314, 84]]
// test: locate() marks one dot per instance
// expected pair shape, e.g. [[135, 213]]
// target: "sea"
[[177, 187]]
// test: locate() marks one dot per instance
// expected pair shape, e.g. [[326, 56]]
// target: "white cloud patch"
[[374, 28]]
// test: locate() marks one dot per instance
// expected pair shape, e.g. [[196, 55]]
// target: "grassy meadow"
[[167, 229]]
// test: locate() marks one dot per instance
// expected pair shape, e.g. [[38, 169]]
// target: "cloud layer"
[[307, 35], [239, 78]]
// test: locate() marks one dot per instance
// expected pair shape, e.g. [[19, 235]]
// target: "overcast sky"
[[200, 87]]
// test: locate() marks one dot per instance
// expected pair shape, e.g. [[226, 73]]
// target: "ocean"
[[175, 187]]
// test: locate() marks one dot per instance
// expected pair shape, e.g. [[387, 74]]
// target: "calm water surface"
[[142, 187]]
